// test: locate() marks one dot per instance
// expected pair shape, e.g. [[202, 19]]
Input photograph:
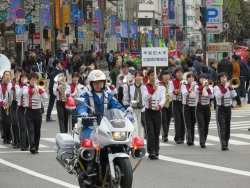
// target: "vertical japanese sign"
[[150, 34], [46, 15], [165, 27], [57, 14], [125, 29], [133, 29], [171, 14], [113, 19], [98, 15], [121, 9], [14, 6], [73, 8], [102, 4], [66, 14], [156, 43]]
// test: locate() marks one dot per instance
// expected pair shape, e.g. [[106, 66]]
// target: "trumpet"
[[210, 83], [234, 83]]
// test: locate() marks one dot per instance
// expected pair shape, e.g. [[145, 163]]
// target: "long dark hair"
[[22, 75]]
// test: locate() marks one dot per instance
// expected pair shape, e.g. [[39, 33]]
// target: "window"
[[189, 18], [190, 29], [189, 7]]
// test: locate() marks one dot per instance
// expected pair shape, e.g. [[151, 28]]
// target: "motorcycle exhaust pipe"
[[61, 162]]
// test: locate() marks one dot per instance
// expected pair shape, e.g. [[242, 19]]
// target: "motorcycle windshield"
[[115, 117]]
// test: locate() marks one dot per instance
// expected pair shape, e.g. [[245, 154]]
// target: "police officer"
[[224, 94], [98, 99]]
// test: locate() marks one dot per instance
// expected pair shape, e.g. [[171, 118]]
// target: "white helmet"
[[96, 75]]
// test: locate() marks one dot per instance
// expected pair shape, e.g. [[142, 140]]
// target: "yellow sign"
[[57, 13], [98, 74], [66, 14]]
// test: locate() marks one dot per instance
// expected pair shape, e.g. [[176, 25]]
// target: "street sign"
[[20, 29], [118, 29], [20, 21], [20, 13], [154, 57], [3, 15], [118, 35], [135, 36], [226, 26], [78, 14], [80, 22], [214, 20], [118, 40], [20, 38], [95, 21], [117, 23], [121, 8], [80, 34], [80, 41]]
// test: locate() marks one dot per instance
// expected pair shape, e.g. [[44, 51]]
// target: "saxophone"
[[168, 98]]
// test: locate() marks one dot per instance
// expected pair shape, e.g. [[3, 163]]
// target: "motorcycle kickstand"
[[106, 176]]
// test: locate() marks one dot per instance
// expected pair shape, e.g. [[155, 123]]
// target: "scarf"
[[138, 93]]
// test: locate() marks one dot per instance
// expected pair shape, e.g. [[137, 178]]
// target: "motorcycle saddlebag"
[[65, 143]]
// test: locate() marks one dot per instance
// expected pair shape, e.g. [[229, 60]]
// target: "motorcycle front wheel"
[[81, 183], [123, 174]]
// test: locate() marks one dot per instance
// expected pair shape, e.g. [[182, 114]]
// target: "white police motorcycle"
[[103, 159]]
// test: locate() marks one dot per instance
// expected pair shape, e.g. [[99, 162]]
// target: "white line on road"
[[202, 165], [233, 142], [33, 173], [195, 142], [7, 152], [246, 136]]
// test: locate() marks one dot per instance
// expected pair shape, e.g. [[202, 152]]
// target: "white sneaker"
[[243, 99]]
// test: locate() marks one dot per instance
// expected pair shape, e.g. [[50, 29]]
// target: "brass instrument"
[[184, 77], [210, 83], [7, 109], [179, 90], [41, 83], [234, 83], [59, 79]]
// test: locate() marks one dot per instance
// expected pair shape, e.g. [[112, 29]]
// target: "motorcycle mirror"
[[79, 101]]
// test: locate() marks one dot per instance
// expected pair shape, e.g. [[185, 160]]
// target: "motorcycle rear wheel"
[[123, 173], [81, 184]]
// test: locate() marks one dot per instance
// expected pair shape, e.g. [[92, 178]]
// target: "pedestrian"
[[225, 66], [236, 74], [24, 142], [33, 115], [224, 94], [154, 100], [115, 73]]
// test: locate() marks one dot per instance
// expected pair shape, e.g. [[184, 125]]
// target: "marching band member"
[[5, 107], [134, 92], [24, 142], [75, 90], [33, 115], [14, 121], [189, 103], [59, 89], [154, 99], [203, 112], [167, 109], [175, 93], [224, 94]]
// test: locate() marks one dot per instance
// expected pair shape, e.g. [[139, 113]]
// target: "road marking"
[[3, 147], [49, 139], [203, 165], [246, 136], [195, 142], [161, 144], [244, 127], [7, 152], [43, 146], [33, 173], [233, 142]]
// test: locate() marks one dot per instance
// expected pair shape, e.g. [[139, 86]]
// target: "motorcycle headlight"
[[119, 136]]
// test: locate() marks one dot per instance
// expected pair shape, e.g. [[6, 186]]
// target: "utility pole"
[[203, 31], [103, 28]]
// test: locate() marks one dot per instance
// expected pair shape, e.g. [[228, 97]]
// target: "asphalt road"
[[179, 166]]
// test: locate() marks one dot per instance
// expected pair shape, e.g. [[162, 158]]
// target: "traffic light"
[[32, 28], [66, 30], [45, 34], [56, 32], [203, 16]]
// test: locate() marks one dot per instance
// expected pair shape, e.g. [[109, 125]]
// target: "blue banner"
[[171, 9], [133, 29], [14, 6], [46, 15], [156, 43], [98, 15], [113, 19], [150, 34], [73, 8], [125, 29], [172, 33]]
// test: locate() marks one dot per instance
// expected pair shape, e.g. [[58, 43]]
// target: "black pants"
[[74, 118], [178, 121], [62, 114], [189, 120], [143, 122], [153, 125], [24, 142], [166, 119], [6, 125], [52, 99], [33, 118], [203, 115], [110, 66], [223, 117], [14, 123]]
